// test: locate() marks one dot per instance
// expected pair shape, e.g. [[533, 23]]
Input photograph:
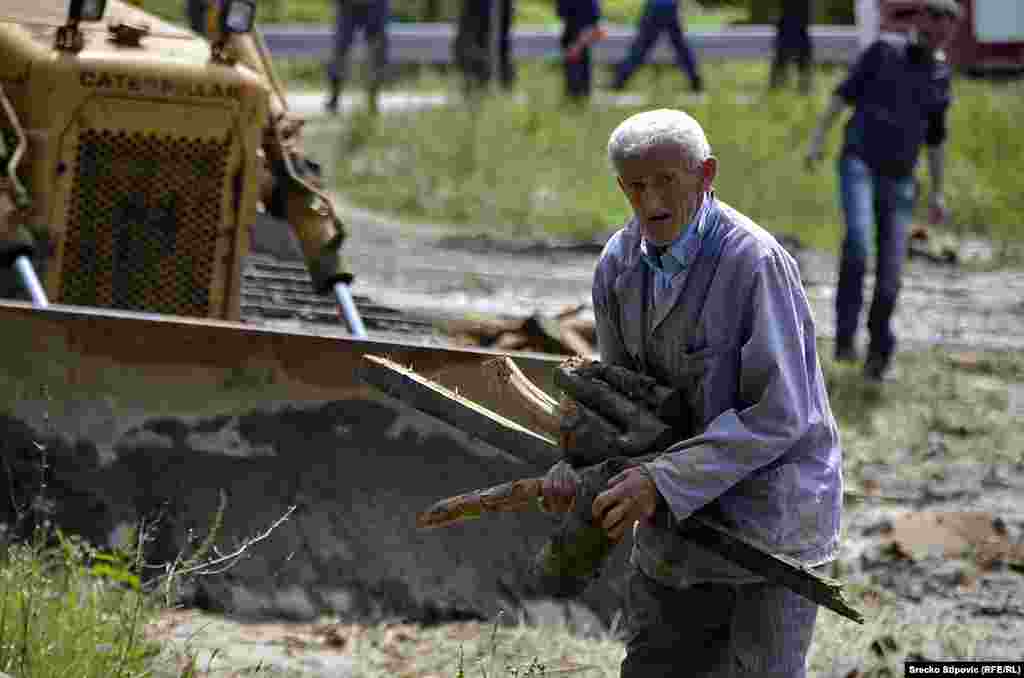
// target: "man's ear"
[[710, 170]]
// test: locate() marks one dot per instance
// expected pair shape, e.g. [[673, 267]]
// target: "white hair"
[[639, 133]]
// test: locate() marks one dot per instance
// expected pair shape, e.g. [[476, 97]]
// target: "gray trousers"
[[718, 630], [372, 17]]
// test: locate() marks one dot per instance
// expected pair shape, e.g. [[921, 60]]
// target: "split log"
[[462, 413], [523, 397], [642, 430], [668, 404]]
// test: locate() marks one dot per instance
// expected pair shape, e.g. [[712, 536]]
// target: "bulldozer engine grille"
[[143, 222]]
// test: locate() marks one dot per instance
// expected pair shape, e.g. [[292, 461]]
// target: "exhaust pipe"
[[348, 309], [30, 281]]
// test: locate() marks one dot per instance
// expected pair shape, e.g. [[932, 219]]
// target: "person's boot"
[[876, 367], [806, 80], [333, 94]]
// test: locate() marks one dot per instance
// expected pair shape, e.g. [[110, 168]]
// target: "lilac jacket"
[[736, 333]]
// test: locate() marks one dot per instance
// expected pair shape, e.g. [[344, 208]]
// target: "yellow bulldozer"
[[135, 155]]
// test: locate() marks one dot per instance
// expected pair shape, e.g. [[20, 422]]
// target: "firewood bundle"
[[566, 333], [608, 419], [604, 411]]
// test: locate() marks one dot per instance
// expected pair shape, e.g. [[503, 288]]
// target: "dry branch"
[[517, 495]]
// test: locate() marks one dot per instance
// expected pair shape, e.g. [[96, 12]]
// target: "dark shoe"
[[846, 353], [876, 367], [331, 104], [697, 85]]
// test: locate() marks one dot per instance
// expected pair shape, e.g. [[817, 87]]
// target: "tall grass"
[[60, 618], [527, 162]]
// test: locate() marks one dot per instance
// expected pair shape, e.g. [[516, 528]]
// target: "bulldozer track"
[[275, 290]]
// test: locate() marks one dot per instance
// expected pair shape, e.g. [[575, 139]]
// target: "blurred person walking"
[[900, 96], [659, 16], [370, 16], [793, 45], [472, 46], [581, 29]]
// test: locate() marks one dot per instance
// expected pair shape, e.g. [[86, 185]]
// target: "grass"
[[526, 163], [59, 616]]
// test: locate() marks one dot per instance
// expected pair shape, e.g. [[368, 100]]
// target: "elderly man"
[[695, 294], [900, 96]]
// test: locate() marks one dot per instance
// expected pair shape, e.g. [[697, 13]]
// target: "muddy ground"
[[408, 274]]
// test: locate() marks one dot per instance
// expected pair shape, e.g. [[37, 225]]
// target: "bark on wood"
[[667, 404], [588, 438], [518, 495], [522, 399], [642, 431], [430, 397]]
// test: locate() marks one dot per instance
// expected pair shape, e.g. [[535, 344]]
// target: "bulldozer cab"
[[136, 155]]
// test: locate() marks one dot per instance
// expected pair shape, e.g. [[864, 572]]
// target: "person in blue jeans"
[[659, 16], [372, 17], [900, 96]]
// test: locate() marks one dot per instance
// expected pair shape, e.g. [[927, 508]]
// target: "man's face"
[[664, 191], [935, 27]]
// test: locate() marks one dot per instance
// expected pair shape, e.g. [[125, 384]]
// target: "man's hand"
[[559, 488], [937, 212], [814, 155], [631, 496]]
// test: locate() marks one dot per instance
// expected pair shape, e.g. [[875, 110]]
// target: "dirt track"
[[425, 270]]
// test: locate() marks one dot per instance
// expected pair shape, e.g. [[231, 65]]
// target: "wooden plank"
[[775, 567], [431, 398]]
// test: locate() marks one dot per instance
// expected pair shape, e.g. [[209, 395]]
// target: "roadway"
[[431, 43]]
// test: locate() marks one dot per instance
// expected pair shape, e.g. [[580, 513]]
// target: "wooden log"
[[434, 399], [587, 437], [642, 430], [536, 409], [668, 404]]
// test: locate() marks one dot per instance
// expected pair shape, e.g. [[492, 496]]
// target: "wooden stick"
[[523, 396], [462, 413], [518, 495]]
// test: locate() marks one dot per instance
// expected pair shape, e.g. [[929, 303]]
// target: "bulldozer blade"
[[109, 418]]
